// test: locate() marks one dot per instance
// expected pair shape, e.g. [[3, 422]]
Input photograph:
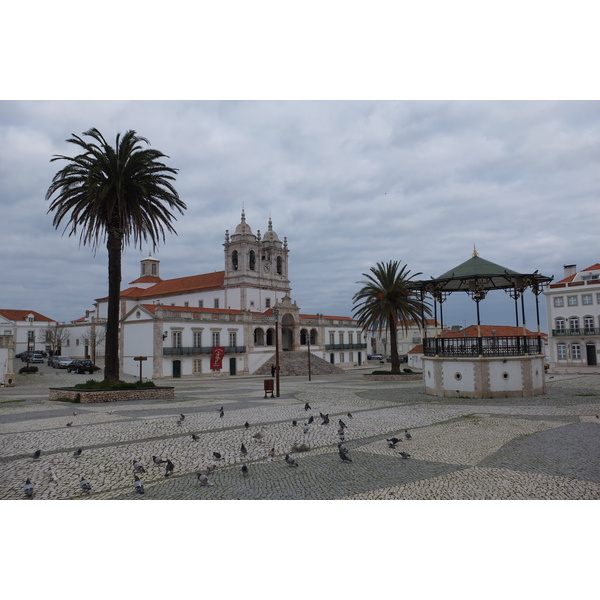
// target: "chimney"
[[570, 270]]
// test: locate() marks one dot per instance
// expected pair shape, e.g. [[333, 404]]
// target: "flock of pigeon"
[[202, 475]]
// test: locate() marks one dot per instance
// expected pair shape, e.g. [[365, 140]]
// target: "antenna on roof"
[[475, 253]]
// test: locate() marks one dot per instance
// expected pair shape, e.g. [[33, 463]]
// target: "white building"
[[573, 312], [28, 328], [176, 323], [409, 335]]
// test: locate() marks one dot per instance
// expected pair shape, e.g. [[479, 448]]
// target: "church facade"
[[176, 324]]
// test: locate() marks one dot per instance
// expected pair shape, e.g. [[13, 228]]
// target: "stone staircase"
[[296, 363]]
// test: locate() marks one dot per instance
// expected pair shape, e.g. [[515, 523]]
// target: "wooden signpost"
[[141, 359]]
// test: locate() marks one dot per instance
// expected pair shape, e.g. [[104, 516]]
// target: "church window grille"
[[279, 266], [234, 260], [252, 260]]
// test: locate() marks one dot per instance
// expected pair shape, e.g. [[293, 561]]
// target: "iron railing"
[[345, 346], [483, 346], [578, 331], [197, 350]]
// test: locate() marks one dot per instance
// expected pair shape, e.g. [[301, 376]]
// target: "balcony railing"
[[578, 331], [483, 346], [345, 346], [197, 350]]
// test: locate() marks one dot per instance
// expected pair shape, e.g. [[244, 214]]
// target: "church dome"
[[270, 235], [243, 230]]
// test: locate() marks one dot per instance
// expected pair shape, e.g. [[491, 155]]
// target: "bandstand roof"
[[480, 274]]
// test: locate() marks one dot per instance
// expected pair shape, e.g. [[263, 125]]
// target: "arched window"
[[270, 337], [252, 260], [559, 324], [234, 260], [259, 337], [313, 337], [279, 267], [588, 324], [303, 337]]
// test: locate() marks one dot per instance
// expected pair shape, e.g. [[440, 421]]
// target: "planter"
[[89, 396]]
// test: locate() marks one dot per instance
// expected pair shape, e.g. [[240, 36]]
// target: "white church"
[[176, 323]]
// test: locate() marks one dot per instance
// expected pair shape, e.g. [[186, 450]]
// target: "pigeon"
[[310, 419], [179, 422], [245, 470], [181, 417], [85, 485], [271, 454], [259, 435], [138, 485], [74, 414], [404, 454], [325, 420], [195, 437], [341, 435], [210, 468], [306, 427], [342, 448], [77, 452], [392, 442], [36, 454], [221, 409], [307, 406], [70, 424], [322, 415], [222, 413], [169, 469], [110, 412], [350, 415], [243, 450], [156, 461], [407, 435], [294, 423], [345, 458], [290, 461], [217, 455], [138, 467], [246, 425], [28, 489], [342, 424], [203, 478]]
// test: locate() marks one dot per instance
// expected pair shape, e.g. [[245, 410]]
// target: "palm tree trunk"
[[111, 366], [394, 345]]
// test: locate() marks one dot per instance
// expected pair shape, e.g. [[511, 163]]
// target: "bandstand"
[[483, 366]]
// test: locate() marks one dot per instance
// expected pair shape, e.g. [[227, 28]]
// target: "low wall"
[[407, 377], [89, 396]]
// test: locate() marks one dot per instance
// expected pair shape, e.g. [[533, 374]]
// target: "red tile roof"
[[168, 287], [146, 279], [570, 278], [21, 315]]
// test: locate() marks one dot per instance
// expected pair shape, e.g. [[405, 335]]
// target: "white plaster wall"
[[506, 376], [138, 342], [466, 382]]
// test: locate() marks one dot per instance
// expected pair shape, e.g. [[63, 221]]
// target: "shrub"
[[28, 370], [407, 370], [92, 384]]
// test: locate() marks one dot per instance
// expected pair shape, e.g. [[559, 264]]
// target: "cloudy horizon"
[[349, 183]]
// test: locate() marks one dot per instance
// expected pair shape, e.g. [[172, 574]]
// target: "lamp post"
[[308, 343], [276, 313]]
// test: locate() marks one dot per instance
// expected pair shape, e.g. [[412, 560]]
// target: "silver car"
[[62, 362]]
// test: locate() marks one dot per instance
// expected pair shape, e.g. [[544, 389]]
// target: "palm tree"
[[386, 301], [115, 194]]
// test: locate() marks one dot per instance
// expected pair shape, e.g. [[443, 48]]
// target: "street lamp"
[[308, 343], [276, 313]]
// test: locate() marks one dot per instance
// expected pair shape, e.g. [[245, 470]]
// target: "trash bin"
[[269, 387]]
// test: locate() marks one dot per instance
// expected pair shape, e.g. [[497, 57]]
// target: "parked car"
[[36, 358], [375, 357], [403, 358], [61, 362], [81, 365]]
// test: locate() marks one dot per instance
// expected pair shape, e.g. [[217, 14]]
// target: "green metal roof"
[[477, 267]]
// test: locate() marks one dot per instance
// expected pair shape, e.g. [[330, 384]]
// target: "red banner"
[[216, 358]]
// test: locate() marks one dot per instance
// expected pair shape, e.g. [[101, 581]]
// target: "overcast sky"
[[349, 183]]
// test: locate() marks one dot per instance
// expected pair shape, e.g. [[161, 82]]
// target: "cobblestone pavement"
[[546, 447]]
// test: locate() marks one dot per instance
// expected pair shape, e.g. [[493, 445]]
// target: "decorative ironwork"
[[198, 350], [483, 346]]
